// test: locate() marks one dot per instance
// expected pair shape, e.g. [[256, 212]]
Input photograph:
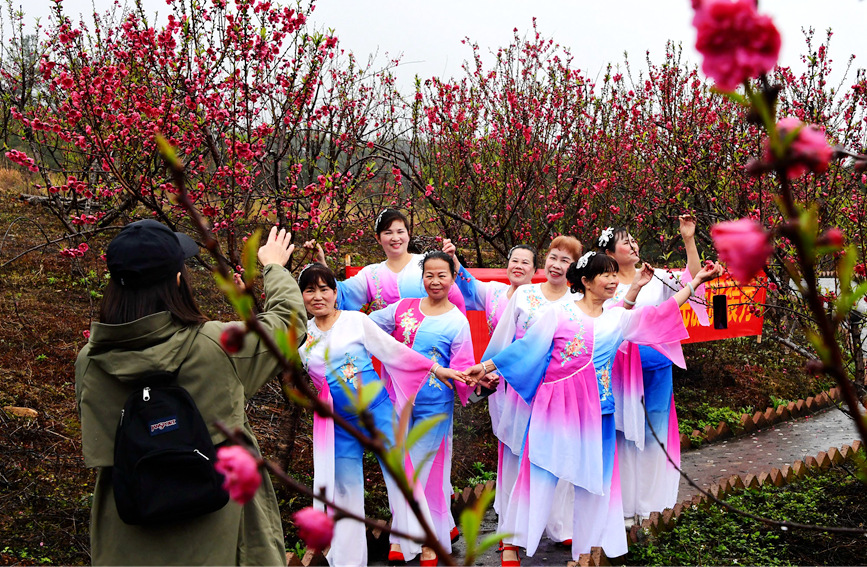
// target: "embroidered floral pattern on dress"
[[432, 380], [348, 371], [574, 347], [409, 324], [495, 300], [377, 302], [603, 375], [534, 301], [312, 341]]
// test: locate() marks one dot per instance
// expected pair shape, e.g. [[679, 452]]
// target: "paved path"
[[781, 444]]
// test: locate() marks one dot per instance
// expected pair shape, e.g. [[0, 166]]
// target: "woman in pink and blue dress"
[[436, 328], [562, 368], [337, 355], [509, 412], [648, 478], [399, 276]]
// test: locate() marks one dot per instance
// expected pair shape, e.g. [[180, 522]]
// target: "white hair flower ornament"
[[606, 235], [582, 261]]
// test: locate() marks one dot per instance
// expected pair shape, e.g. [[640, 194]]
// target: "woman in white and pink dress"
[[399, 276], [562, 368], [648, 478], [510, 414]]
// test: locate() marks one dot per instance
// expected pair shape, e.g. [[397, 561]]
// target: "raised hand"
[[450, 249], [709, 271], [277, 249], [687, 226], [643, 276], [318, 253]]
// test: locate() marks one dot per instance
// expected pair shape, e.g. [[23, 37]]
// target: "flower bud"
[[832, 238], [315, 527], [232, 337], [241, 472]]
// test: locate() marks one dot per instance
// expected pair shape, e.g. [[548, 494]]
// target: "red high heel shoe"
[[511, 562], [396, 557], [429, 562], [455, 534]]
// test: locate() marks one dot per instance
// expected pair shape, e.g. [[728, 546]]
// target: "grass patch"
[[718, 537]]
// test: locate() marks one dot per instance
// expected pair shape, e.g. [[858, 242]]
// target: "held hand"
[[475, 373], [444, 375], [643, 276], [277, 249], [711, 270], [318, 253], [687, 226], [490, 381]]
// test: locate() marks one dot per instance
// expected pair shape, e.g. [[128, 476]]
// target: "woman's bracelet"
[[435, 368], [691, 288], [627, 302], [485, 366]]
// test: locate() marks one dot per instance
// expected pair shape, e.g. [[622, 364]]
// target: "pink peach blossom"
[[315, 527], [241, 471], [744, 246], [737, 43], [809, 149]]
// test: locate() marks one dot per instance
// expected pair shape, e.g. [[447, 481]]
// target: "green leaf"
[[421, 428], [249, 258], [367, 394], [394, 461], [489, 541], [848, 299], [471, 520], [846, 267], [167, 151]]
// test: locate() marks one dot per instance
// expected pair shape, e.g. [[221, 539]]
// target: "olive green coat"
[[220, 384]]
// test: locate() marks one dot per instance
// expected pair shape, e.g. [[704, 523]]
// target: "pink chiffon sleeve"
[[660, 327], [461, 358]]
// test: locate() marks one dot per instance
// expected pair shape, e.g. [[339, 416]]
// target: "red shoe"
[[511, 562], [565, 543], [500, 547], [455, 534], [429, 562], [396, 557]]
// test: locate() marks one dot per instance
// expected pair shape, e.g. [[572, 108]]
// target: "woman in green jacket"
[[149, 322]]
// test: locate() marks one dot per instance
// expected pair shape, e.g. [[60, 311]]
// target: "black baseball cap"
[[146, 252]]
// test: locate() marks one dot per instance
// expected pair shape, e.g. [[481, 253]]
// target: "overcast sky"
[[428, 35]]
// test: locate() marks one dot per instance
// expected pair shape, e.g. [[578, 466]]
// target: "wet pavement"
[[772, 447], [782, 444]]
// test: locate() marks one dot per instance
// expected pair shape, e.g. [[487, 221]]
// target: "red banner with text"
[[742, 322]]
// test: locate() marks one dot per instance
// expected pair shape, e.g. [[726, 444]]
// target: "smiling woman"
[[434, 327], [379, 285], [338, 356]]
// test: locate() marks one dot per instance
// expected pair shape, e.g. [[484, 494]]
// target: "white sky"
[[428, 34]]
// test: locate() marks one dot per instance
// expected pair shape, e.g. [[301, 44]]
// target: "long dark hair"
[[122, 304]]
